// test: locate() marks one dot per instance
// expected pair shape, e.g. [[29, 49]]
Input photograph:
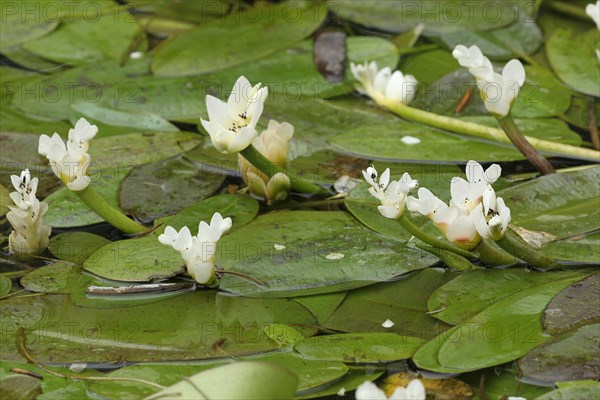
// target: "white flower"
[[479, 65], [30, 235], [388, 323], [198, 252], [392, 195], [453, 222], [383, 85], [25, 188], [70, 162], [232, 125], [498, 91], [273, 143], [467, 194], [491, 218], [593, 10], [369, 391]]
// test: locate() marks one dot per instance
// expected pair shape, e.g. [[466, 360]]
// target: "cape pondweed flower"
[[70, 162], [30, 235], [593, 10], [392, 195], [232, 125], [491, 216], [498, 91], [384, 85], [198, 252], [273, 143], [455, 220], [413, 391]]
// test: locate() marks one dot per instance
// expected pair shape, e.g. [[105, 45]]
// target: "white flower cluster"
[[498, 91], [70, 162], [30, 235], [474, 211], [413, 391], [273, 143], [198, 252], [384, 85], [392, 195], [232, 128]]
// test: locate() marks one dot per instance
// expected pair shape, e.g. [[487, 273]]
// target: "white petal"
[[79, 184], [389, 212], [184, 239], [242, 140], [462, 232], [239, 98], [394, 89], [384, 179], [202, 272], [16, 182], [514, 72], [217, 112], [369, 391], [381, 79]]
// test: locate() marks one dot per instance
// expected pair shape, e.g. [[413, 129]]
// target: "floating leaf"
[[564, 204], [403, 302], [575, 390], [5, 201], [449, 16], [55, 278], [505, 331], [88, 40], [196, 325], [20, 387], [283, 334], [433, 145], [521, 38], [135, 260], [574, 306], [500, 383], [322, 305], [335, 255], [113, 122], [583, 248], [571, 356], [75, 247], [253, 380], [164, 187], [349, 382], [574, 59], [19, 26], [5, 286], [359, 347], [208, 47], [241, 210], [473, 291]]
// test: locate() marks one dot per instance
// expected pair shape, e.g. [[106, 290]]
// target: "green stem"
[[494, 256], [453, 260], [486, 132], [110, 214], [526, 252], [517, 138], [568, 9], [261, 162], [433, 242]]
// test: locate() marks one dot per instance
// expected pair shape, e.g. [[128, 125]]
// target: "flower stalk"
[[486, 132], [433, 242], [521, 143], [526, 252], [110, 214], [266, 166], [494, 256]]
